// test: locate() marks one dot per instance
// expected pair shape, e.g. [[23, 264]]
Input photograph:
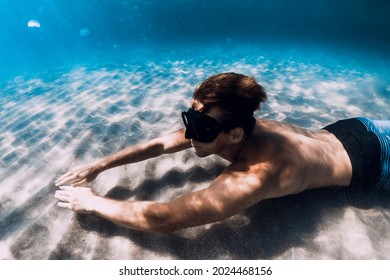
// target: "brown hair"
[[237, 95]]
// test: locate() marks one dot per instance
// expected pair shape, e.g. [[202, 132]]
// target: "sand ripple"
[[70, 116]]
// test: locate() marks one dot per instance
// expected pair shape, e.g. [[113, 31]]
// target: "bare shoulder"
[[252, 173], [236, 189], [257, 174], [272, 158]]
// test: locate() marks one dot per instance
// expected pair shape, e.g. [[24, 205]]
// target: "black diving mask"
[[200, 127]]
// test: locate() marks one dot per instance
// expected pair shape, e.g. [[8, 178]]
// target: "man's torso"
[[295, 159]]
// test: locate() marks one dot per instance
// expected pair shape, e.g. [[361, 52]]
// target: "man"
[[268, 159]]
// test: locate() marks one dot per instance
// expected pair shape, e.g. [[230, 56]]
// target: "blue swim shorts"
[[367, 143]]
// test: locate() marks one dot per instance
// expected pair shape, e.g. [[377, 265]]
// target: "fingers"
[[78, 176], [80, 183], [64, 205], [67, 178], [64, 198], [64, 176], [75, 198], [62, 180], [66, 188], [61, 195], [71, 177], [65, 195]]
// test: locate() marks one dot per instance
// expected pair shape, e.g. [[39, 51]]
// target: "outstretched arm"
[[171, 143], [230, 193]]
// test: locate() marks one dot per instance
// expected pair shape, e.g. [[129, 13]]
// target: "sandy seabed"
[[63, 118]]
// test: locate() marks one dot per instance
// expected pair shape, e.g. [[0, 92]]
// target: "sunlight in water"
[[72, 116], [33, 24]]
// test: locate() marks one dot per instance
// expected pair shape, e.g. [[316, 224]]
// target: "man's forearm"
[[131, 154], [140, 215], [170, 143]]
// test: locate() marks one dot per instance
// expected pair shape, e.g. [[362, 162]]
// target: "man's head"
[[223, 103], [233, 93], [236, 95]]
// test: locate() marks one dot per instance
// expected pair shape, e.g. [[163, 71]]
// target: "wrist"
[[101, 165], [93, 205]]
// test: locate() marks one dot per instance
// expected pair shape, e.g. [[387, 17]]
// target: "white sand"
[[70, 116]]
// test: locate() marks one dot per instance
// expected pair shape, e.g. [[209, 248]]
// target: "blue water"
[[73, 32]]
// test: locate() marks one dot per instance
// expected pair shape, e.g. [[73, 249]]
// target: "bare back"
[[295, 159]]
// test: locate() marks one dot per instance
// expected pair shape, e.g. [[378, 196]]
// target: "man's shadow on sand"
[[275, 226]]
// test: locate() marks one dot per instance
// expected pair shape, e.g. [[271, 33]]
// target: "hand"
[[77, 199], [79, 176]]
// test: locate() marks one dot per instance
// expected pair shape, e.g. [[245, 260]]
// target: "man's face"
[[203, 129]]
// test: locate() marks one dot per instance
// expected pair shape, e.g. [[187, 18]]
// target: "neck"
[[232, 152]]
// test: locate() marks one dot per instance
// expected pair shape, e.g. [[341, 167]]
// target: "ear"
[[236, 135]]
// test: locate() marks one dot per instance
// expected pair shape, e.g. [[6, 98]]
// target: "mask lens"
[[185, 120], [200, 127], [190, 131]]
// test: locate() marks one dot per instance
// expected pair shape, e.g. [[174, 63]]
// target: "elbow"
[[164, 229]]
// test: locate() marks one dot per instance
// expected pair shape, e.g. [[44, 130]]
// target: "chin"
[[201, 153]]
